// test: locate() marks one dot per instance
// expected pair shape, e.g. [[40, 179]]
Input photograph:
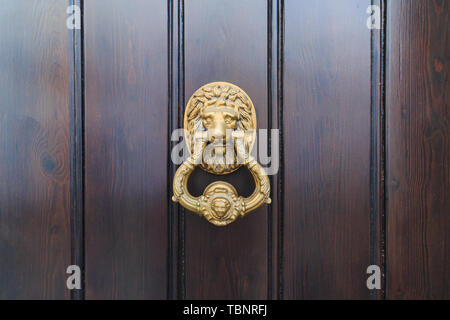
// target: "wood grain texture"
[[418, 156], [327, 109], [126, 149], [34, 150], [227, 41]]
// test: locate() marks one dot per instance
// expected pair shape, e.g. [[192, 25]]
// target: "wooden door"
[[86, 119]]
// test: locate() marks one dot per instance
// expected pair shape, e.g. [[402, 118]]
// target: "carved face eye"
[[230, 121], [207, 122]]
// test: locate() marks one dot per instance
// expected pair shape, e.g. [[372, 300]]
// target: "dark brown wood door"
[[87, 115]]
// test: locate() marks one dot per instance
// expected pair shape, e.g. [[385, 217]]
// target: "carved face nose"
[[218, 132]]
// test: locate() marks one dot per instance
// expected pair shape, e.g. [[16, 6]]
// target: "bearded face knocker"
[[220, 130]]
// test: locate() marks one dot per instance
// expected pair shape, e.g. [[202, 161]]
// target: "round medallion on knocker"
[[220, 108], [220, 203]]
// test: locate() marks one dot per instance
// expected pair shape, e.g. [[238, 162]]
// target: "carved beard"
[[215, 161], [219, 157]]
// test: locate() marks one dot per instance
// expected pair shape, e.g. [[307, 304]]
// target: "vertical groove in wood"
[[170, 168], [383, 121], [377, 150], [280, 179], [175, 118], [181, 293], [373, 145], [270, 277], [275, 31], [77, 149]]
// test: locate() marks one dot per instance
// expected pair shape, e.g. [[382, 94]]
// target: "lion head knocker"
[[220, 109], [220, 130]]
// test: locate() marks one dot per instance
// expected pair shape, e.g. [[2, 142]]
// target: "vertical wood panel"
[[34, 150], [126, 149], [418, 157], [227, 41], [327, 116]]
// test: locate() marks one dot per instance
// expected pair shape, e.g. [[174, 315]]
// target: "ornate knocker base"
[[212, 109]]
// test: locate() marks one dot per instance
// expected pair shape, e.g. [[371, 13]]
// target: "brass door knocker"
[[220, 130]]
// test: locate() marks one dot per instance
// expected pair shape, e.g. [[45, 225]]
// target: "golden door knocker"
[[220, 130]]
